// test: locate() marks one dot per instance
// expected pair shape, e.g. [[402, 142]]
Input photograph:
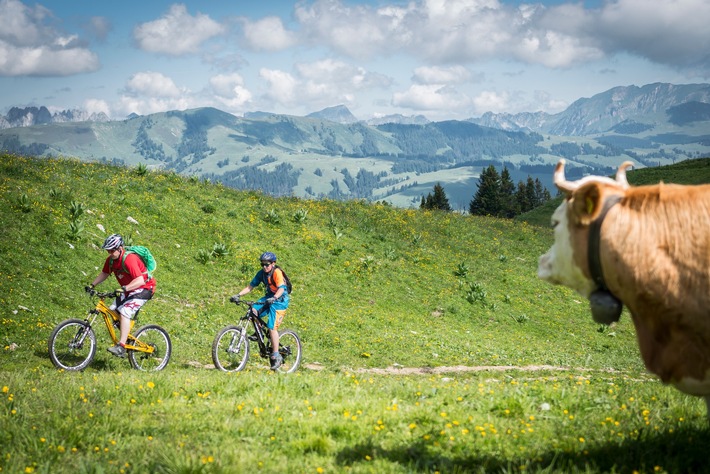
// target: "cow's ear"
[[587, 203]]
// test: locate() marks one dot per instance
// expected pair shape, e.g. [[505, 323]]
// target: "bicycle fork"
[[237, 339]]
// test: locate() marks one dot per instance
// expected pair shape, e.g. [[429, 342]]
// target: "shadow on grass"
[[99, 363], [684, 450]]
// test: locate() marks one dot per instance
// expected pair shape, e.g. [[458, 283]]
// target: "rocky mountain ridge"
[[648, 105], [29, 116]]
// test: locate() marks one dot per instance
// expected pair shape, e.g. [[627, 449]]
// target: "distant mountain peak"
[[29, 116], [399, 119], [338, 113]]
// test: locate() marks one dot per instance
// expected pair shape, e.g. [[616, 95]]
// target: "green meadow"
[[429, 343]]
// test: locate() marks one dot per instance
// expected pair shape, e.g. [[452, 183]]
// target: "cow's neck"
[[593, 258]]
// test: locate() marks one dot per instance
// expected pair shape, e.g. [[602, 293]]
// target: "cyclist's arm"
[[245, 290], [99, 278], [136, 283]]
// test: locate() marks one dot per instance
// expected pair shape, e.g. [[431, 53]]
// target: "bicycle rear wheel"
[[291, 351], [230, 349], [158, 338], [72, 345]]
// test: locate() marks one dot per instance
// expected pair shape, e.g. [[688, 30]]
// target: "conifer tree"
[[521, 198], [509, 207], [530, 193], [437, 201], [487, 200]]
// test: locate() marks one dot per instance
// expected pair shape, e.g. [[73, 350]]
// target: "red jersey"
[[134, 269]]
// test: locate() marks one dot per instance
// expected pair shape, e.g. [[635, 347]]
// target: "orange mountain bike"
[[72, 344]]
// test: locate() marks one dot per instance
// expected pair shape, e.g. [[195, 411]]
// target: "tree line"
[[496, 196]]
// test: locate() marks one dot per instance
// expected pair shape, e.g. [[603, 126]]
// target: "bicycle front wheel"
[[157, 338], [230, 349], [291, 351], [72, 345]]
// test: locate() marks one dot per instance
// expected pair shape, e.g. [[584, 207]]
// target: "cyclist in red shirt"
[[137, 287]]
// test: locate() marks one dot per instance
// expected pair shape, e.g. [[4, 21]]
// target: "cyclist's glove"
[[234, 299], [120, 290], [270, 300], [89, 288]]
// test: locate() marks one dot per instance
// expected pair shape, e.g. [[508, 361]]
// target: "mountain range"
[[398, 159]]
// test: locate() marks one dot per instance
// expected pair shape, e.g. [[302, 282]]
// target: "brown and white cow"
[[648, 248]]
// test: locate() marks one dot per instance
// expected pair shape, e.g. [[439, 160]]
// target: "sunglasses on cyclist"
[[266, 264]]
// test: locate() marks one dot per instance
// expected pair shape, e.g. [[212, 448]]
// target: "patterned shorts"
[[129, 304]]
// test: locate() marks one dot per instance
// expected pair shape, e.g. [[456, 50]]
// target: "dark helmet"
[[268, 257], [113, 242]]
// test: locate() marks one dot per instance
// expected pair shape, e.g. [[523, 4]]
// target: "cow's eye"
[[554, 223]]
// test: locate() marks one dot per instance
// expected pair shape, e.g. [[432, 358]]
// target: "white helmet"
[[113, 242]]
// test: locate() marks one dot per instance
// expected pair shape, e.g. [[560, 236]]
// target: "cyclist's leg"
[[277, 311], [128, 308]]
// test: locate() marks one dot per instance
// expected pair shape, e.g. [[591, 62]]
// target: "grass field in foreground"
[[377, 291]]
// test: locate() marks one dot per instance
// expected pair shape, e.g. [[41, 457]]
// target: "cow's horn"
[[559, 178], [621, 173]]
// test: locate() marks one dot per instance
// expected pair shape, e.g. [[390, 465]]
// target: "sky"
[[444, 59]]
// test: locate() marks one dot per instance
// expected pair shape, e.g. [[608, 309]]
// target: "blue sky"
[[444, 59]]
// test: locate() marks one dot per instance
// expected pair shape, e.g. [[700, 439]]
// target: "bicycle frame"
[[262, 334], [111, 317]]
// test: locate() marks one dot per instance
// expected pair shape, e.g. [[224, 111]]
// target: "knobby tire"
[[155, 336], [72, 345]]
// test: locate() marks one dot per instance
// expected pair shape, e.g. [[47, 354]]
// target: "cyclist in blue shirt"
[[274, 302]]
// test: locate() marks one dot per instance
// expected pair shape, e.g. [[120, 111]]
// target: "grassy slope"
[[377, 280], [404, 306]]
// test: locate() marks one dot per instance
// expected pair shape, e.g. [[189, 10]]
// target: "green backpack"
[[145, 256]]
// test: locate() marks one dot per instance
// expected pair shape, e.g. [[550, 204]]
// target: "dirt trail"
[[398, 370]]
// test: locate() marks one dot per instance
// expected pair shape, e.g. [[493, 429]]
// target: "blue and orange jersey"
[[272, 281]]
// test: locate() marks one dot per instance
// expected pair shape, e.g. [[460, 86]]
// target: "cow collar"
[[595, 229], [606, 308]]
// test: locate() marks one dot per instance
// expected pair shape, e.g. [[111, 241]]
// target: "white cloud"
[[281, 86], [177, 32], [151, 105], [432, 97], [268, 34], [28, 47], [441, 75], [357, 31], [95, 106], [466, 31], [320, 84], [152, 92], [670, 32], [491, 101], [152, 84], [99, 27], [229, 91]]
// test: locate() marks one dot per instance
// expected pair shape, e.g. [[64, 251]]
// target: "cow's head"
[[567, 263]]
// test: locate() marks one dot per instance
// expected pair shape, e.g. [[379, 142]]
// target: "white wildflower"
[[132, 220], [101, 228]]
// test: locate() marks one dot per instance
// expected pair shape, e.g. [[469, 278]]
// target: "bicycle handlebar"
[[101, 295], [244, 302]]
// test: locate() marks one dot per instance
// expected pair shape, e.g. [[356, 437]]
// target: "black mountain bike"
[[230, 349]]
